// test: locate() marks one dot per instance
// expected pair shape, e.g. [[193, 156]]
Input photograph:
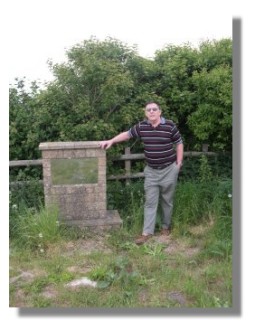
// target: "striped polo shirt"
[[158, 141]]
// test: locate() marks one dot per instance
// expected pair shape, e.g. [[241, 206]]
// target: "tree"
[[97, 93], [196, 85], [88, 91], [176, 65], [23, 108], [211, 121]]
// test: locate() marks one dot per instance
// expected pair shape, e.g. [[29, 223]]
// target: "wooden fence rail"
[[19, 163], [127, 158]]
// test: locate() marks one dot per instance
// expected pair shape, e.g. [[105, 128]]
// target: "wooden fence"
[[128, 157]]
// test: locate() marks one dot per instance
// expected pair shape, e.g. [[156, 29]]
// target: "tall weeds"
[[203, 200]]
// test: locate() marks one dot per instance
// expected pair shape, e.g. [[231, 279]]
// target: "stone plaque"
[[74, 171]]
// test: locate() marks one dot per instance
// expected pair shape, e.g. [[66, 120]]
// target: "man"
[[163, 165]]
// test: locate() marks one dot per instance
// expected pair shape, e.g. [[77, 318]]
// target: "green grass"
[[143, 276], [193, 268]]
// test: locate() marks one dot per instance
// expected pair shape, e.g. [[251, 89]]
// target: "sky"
[[34, 31], [43, 30]]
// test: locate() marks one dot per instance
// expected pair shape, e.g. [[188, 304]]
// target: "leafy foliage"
[[102, 88], [212, 122]]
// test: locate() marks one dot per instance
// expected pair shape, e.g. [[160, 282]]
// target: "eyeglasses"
[[152, 109]]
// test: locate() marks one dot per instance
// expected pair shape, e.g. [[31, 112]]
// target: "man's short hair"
[[152, 101]]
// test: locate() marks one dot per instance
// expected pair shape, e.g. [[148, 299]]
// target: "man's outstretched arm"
[[124, 136]]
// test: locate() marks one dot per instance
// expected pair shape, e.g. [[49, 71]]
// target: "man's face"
[[152, 112]]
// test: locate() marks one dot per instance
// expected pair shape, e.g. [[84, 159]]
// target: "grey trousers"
[[159, 185]]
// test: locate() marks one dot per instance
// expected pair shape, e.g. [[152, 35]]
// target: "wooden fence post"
[[127, 165], [205, 147]]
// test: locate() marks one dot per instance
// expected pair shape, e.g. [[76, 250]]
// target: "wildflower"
[[229, 195], [14, 206], [40, 235], [41, 250]]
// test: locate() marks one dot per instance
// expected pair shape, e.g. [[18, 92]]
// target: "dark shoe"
[[165, 232], [142, 239]]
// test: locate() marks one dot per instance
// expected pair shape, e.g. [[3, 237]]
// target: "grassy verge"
[[191, 268]]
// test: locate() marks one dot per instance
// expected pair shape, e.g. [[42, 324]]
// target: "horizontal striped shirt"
[[158, 141]]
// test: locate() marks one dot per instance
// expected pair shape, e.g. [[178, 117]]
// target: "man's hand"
[[106, 144], [179, 165]]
